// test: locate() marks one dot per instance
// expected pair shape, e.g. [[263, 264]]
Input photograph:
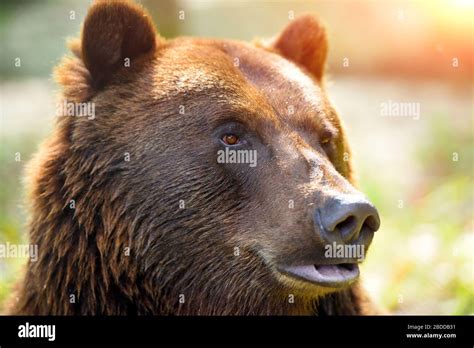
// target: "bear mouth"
[[328, 275]]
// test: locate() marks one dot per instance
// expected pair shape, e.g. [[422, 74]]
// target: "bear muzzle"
[[345, 224]]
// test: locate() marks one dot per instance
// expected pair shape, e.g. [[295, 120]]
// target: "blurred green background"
[[419, 172]]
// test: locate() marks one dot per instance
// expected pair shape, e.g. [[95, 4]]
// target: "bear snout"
[[346, 218]]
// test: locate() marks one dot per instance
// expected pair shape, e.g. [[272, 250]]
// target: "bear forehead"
[[249, 79]]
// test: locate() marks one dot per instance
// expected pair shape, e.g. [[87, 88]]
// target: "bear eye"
[[230, 139], [326, 137], [325, 141]]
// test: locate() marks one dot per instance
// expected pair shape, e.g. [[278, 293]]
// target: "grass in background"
[[421, 260], [12, 214]]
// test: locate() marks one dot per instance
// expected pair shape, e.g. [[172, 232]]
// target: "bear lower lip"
[[330, 275]]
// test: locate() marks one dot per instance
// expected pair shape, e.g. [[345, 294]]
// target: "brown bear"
[[211, 178]]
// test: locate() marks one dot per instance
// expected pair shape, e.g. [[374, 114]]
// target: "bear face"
[[164, 221]]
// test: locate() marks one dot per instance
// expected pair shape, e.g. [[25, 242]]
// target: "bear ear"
[[112, 32], [304, 42]]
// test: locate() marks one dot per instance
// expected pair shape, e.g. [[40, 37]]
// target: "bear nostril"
[[372, 222], [346, 227]]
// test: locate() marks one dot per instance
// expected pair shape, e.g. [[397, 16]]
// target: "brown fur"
[[134, 204]]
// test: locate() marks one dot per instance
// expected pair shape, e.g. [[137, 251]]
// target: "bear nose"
[[347, 216]]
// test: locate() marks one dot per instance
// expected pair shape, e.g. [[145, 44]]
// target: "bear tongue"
[[333, 270], [326, 275]]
